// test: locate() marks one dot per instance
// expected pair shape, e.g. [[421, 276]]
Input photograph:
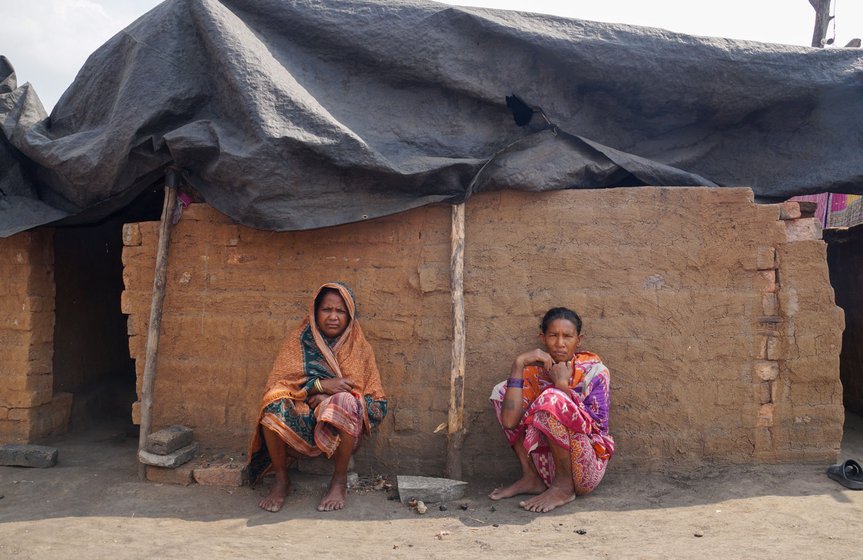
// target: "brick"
[[765, 281], [775, 348], [789, 210], [803, 229], [765, 258], [12, 431], [765, 415], [169, 439], [405, 419], [769, 304], [220, 474], [23, 399], [37, 383], [761, 347], [131, 235], [807, 208], [765, 392], [172, 460], [766, 370], [181, 475]]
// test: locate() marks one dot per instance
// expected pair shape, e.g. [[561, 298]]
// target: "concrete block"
[[429, 489], [39, 456], [181, 475], [220, 474], [168, 440], [170, 461]]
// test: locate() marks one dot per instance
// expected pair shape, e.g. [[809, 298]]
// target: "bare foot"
[[553, 497], [525, 485], [274, 500], [335, 497]]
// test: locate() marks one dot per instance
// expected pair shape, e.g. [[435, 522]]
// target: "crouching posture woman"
[[323, 394], [554, 413]]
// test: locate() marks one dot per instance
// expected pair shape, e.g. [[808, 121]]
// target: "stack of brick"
[[29, 409], [800, 401], [168, 455], [169, 449]]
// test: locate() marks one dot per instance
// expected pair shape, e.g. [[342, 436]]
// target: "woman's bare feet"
[[274, 500], [554, 497], [336, 494], [527, 484]]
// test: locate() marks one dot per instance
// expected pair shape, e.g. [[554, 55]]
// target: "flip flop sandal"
[[849, 474]]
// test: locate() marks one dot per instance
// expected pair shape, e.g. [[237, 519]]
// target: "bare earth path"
[[83, 509]]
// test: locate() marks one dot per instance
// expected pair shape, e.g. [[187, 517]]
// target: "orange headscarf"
[[350, 357]]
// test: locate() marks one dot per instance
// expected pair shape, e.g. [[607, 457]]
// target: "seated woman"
[[554, 413], [323, 394]]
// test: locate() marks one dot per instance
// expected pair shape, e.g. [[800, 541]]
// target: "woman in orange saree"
[[323, 394]]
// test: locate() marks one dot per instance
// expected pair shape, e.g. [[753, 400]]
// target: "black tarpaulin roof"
[[302, 114]]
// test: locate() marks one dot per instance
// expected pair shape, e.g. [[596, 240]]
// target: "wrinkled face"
[[561, 339], [332, 315]]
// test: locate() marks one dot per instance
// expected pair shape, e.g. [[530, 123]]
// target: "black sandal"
[[849, 474]]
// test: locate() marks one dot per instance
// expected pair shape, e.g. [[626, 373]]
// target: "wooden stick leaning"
[[153, 329]]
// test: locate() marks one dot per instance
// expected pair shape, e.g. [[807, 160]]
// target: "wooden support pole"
[[822, 21], [153, 329], [455, 422]]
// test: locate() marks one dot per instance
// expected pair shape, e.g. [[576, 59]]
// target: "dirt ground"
[[91, 505]]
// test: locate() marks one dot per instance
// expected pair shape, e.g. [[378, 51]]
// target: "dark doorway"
[[845, 260], [91, 345]]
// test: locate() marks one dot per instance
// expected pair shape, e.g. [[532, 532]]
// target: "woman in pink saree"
[[554, 412]]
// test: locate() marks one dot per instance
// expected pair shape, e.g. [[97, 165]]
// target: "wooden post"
[[822, 21], [152, 355], [455, 423]]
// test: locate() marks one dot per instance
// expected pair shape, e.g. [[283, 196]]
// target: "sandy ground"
[[91, 505]]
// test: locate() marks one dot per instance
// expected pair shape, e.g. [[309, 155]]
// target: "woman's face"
[[332, 315], [561, 339]]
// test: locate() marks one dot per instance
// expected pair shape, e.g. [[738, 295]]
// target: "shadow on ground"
[[97, 476]]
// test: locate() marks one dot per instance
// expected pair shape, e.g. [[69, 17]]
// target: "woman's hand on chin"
[[560, 374], [535, 356]]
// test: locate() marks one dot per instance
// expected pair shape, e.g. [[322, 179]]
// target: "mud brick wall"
[[709, 309], [845, 255], [234, 293], [29, 409]]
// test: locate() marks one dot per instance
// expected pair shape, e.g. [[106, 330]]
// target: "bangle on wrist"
[[515, 382], [318, 386]]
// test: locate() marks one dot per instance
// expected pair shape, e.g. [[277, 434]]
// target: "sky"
[[47, 41]]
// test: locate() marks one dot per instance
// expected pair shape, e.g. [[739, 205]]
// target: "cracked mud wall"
[[695, 298]]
